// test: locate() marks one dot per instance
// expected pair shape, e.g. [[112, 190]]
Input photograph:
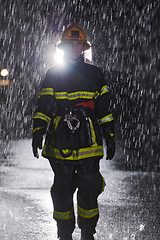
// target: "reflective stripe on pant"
[[63, 215], [88, 180], [87, 213]]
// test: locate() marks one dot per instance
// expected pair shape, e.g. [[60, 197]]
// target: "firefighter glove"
[[37, 142], [110, 143]]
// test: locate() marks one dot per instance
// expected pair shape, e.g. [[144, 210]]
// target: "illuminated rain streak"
[[124, 39]]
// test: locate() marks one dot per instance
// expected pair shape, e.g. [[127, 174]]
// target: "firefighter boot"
[[86, 235]]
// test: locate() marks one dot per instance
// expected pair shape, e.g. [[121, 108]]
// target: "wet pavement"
[[129, 206]]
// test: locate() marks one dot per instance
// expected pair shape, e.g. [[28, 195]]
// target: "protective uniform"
[[73, 101]]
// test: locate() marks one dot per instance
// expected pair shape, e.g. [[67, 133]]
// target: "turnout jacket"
[[74, 88]]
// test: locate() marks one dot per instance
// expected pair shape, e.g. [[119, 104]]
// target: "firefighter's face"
[[74, 49]]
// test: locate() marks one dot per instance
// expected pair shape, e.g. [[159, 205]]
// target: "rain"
[[124, 36]]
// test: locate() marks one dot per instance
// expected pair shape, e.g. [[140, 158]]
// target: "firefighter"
[[72, 110]]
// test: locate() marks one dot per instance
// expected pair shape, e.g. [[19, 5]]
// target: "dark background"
[[125, 45]]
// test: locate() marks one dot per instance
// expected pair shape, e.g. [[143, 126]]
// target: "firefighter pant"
[[86, 178]]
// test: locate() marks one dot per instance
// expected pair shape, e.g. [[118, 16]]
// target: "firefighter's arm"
[[107, 126], [106, 120], [39, 129], [110, 143], [45, 109]]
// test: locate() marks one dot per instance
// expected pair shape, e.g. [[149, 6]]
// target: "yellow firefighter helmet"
[[74, 33]]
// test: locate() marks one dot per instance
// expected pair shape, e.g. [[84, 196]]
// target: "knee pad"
[[91, 183]]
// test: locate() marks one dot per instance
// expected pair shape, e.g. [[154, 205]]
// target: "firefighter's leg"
[[90, 185], [62, 196]]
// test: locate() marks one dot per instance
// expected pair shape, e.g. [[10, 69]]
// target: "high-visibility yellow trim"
[[105, 119], [41, 116], [74, 95], [87, 213], [104, 184], [104, 89], [93, 135], [93, 151], [61, 95], [46, 91], [56, 121], [64, 215], [36, 129], [96, 94]]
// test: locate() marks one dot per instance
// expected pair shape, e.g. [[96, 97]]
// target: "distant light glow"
[[5, 82], [58, 57], [4, 72]]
